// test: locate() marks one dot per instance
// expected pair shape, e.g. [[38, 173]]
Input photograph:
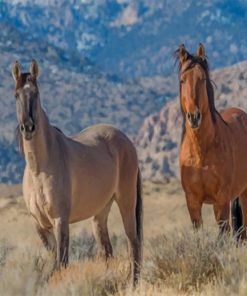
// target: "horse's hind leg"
[[47, 237], [100, 231], [127, 205], [243, 203], [236, 218]]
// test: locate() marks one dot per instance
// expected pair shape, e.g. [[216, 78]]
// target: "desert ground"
[[176, 261]]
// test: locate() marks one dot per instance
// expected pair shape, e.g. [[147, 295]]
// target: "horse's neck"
[[203, 139], [37, 150]]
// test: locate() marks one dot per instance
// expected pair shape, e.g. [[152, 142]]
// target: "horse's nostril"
[[22, 127], [189, 115], [198, 116], [32, 128]]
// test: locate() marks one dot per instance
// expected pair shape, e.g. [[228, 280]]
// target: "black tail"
[[237, 222], [139, 215]]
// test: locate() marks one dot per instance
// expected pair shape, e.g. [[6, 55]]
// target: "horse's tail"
[[236, 212], [139, 216]]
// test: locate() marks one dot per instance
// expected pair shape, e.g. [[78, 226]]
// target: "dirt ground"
[[163, 205], [176, 260]]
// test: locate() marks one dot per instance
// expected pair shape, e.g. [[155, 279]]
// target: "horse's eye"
[[182, 81], [16, 95]]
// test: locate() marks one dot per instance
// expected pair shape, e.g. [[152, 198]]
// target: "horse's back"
[[103, 135], [236, 120], [234, 115], [96, 133]]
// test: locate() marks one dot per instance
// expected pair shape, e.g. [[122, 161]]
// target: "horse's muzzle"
[[194, 119], [27, 129]]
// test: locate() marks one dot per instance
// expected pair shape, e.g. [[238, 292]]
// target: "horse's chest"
[[210, 177], [203, 175], [38, 203], [203, 180], [38, 198]]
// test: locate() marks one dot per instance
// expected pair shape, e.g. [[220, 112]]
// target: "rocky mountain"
[[158, 140], [109, 61], [132, 38]]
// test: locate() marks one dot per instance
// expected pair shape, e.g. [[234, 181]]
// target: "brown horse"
[[213, 158], [71, 179]]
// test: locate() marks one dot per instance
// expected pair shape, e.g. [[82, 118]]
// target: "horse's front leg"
[[195, 210], [222, 215], [61, 231]]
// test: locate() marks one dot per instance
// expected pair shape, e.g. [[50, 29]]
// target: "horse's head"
[[195, 86], [27, 98]]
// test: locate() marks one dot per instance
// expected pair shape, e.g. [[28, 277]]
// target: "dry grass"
[[177, 261]]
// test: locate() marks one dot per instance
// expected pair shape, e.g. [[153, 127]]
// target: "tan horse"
[[213, 155], [67, 180]]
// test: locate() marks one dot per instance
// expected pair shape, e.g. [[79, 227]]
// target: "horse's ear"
[[182, 53], [16, 71], [201, 51], [34, 69]]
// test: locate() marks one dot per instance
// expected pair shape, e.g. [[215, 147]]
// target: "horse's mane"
[[196, 60], [58, 129]]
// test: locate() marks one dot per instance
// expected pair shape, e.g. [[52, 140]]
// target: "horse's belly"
[[91, 194], [86, 206]]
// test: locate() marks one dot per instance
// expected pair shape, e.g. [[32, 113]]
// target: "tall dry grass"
[[179, 263]]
